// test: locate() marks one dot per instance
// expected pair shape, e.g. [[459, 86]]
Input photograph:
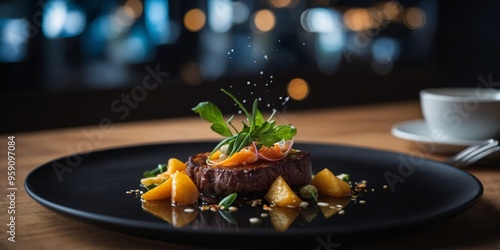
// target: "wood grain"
[[365, 126]]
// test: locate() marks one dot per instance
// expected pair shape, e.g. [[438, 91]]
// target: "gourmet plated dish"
[[254, 165]]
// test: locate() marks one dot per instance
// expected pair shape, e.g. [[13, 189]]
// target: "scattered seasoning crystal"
[[304, 204], [188, 210], [323, 204], [254, 220]]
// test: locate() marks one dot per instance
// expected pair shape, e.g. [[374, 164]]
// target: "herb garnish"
[[228, 200], [154, 172], [258, 130]]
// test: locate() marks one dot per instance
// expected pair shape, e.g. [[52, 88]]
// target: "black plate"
[[93, 187]]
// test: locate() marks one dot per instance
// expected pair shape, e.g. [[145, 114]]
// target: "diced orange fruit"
[[174, 165], [273, 152], [328, 184], [184, 191], [281, 194], [242, 157], [162, 191]]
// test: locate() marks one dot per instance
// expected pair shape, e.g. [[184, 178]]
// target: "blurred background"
[[72, 63]]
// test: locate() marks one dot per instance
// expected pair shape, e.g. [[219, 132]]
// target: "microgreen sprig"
[[258, 130]]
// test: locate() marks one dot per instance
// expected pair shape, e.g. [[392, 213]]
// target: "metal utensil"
[[474, 153]]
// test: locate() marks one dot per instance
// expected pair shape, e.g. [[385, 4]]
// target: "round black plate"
[[92, 188]]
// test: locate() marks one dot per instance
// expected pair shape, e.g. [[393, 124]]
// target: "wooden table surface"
[[366, 126]]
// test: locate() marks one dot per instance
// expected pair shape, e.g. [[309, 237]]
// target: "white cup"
[[462, 113]]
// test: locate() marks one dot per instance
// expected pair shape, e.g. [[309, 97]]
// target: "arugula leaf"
[[212, 113]]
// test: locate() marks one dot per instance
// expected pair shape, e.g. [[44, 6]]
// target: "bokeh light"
[[414, 18], [220, 15], [194, 20], [240, 12], [136, 8], [391, 10], [358, 19], [283, 3], [385, 50], [264, 20], [298, 89]]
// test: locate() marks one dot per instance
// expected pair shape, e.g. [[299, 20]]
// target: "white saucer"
[[417, 131]]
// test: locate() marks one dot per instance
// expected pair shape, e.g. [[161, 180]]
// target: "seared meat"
[[248, 179]]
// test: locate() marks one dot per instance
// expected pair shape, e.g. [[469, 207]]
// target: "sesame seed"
[[323, 204], [188, 210], [341, 212], [213, 209], [254, 220], [291, 206], [233, 209], [340, 206], [385, 186], [362, 201], [264, 215], [304, 204]]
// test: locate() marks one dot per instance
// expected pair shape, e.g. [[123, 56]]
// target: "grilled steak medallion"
[[248, 179]]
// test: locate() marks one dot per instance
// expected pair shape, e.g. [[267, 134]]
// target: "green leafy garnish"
[[154, 172], [228, 200], [344, 177], [256, 129]]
